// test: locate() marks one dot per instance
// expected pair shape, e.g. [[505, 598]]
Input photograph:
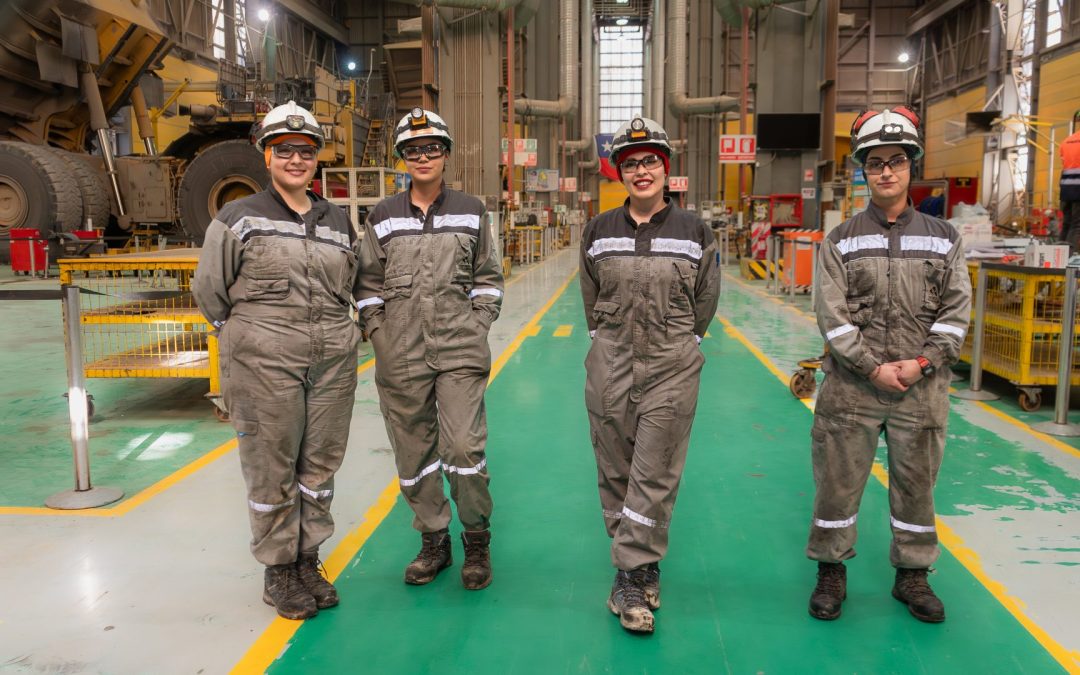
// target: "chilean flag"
[[603, 151]]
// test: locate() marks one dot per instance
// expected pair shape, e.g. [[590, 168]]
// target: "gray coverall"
[[887, 293], [431, 285], [279, 287], [650, 291]]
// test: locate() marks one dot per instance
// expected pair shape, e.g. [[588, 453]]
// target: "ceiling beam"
[[317, 19], [929, 13]]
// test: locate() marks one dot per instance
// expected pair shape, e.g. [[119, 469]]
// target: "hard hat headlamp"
[[417, 118], [891, 132], [294, 122]]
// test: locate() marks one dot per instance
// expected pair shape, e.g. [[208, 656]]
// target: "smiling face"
[[644, 184], [888, 172], [292, 173], [423, 169]]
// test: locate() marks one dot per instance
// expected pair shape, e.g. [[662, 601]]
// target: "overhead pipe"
[[593, 103], [587, 139], [678, 101], [523, 13], [659, 54], [490, 5], [566, 105]]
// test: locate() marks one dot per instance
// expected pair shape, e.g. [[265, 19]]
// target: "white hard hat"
[[642, 132], [420, 123], [899, 126], [289, 119]]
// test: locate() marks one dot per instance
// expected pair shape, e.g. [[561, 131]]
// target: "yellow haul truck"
[[67, 67]]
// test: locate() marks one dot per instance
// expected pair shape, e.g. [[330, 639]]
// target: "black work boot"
[[912, 589], [434, 557], [652, 585], [284, 591], [476, 571], [627, 600], [830, 592], [312, 576]]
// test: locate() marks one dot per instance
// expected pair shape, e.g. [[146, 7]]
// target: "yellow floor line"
[[1070, 660], [274, 640], [564, 330], [365, 365]]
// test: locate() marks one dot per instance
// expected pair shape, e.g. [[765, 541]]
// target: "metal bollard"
[[814, 245], [1060, 425], [773, 286], [791, 270], [83, 496], [975, 392]]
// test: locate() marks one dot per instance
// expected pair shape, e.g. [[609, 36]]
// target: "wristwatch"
[[925, 365]]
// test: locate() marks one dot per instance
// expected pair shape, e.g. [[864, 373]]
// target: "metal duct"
[[585, 104], [566, 106], [659, 52], [524, 13], [678, 101]]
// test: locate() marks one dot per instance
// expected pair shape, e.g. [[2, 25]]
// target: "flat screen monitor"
[[788, 131]]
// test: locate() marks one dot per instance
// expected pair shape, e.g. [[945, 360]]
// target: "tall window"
[[1053, 23], [621, 75]]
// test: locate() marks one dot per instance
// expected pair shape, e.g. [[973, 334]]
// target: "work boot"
[[912, 589], [312, 576], [830, 592], [627, 600], [476, 571], [285, 592], [434, 557], [652, 585]]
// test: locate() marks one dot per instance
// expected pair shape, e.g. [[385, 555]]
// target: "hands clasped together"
[[896, 375]]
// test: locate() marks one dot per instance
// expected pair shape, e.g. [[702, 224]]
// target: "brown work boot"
[[830, 592], [285, 592], [912, 589], [434, 557], [627, 600], [652, 585], [313, 577], [476, 570]]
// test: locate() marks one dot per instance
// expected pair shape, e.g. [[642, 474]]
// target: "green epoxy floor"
[[735, 583], [143, 430]]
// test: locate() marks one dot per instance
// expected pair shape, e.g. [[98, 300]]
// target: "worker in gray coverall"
[[893, 305], [650, 284], [431, 285], [277, 278]]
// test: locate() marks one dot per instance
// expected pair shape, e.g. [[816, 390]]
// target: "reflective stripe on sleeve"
[[367, 302], [837, 332], [946, 328], [485, 291]]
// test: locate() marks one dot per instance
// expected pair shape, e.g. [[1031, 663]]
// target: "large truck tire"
[[37, 190], [93, 186], [219, 174]]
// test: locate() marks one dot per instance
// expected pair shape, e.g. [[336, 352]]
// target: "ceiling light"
[[264, 14], [351, 65], [903, 58], [622, 22]]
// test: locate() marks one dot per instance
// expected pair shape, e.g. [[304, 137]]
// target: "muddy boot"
[[285, 592], [434, 557], [312, 576], [627, 600], [831, 590], [912, 589], [652, 585], [476, 571]]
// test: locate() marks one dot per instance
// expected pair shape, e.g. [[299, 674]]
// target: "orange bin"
[[799, 256]]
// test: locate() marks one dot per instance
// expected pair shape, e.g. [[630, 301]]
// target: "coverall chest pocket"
[[861, 278], [266, 268], [607, 314], [463, 260], [682, 287], [934, 280]]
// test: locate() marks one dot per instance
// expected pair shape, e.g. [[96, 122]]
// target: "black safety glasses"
[[286, 151], [411, 153]]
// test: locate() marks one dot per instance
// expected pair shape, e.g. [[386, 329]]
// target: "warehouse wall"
[[964, 158], [1059, 98]]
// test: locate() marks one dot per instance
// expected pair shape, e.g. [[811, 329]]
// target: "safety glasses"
[[287, 151], [411, 153], [875, 166], [648, 161]]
